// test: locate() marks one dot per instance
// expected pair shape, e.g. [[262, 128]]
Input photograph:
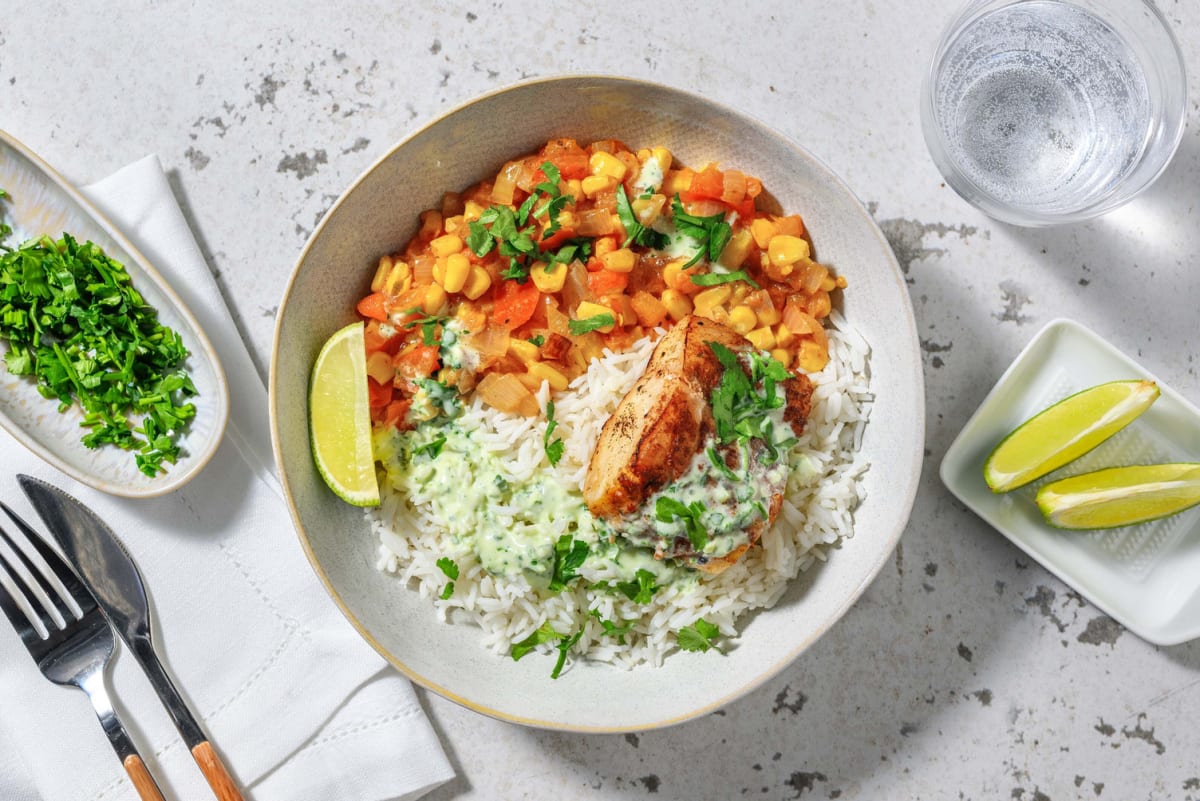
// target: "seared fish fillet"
[[660, 427]]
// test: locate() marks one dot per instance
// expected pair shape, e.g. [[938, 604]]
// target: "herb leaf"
[[429, 324], [739, 410], [641, 589], [569, 556], [698, 636], [578, 327], [433, 448], [712, 233], [667, 510], [537, 341], [613, 629], [448, 566], [634, 231], [545, 633], [554, 449], [713, 279], [564, 645]]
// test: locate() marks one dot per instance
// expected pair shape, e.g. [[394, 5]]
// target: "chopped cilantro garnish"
[[564, 645], [441, 397], [641, 589], [569, 556], [479, 239], [429, 324], [634, 231], [719, 463], [433, 448], [698, 636], [544, 634], [713, 279], [667, 510], [537, 341], [74, 321], [516, 236], [554, 448], [711, 233], [578, 327], [450, 568], [611, 628]]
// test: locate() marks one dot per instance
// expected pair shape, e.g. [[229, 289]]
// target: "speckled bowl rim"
[[196, 464], [750, 684]]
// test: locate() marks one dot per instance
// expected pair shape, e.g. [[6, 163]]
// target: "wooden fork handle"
[[143, 782], [214, 771]]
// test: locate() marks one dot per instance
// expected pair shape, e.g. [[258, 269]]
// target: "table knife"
[[105, 566]]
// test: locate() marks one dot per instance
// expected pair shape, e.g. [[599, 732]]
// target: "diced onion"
[[505, 392]]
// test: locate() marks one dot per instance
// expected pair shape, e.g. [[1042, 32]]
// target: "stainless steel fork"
[[70, 646]]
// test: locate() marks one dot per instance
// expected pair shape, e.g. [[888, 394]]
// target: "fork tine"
[[61, 577], [25, 572], [17, 608]]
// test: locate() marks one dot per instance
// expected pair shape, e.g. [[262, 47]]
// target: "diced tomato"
[[372, 306], [745, 209], [379, 395], [606, 282], [514, 303], [556, 239], [418, 360], [571, 165], [708, 184], [396, 413]]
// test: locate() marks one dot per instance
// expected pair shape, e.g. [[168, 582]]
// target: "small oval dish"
[[42, 202]]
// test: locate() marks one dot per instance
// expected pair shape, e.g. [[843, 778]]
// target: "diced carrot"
[[606, 282], [372, 306], [514, 303], [556, 239], [376, 342], [379, 395], [395, 413]]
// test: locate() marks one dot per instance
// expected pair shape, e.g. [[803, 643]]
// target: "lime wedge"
[[340, 418], [1065, 431], [1120, 496]]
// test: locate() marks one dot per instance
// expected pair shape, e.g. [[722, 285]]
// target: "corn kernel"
[[439, 270], [431, 224], [603, 246], [545, 372], [648, 209], [574, 188], [678, 304], [445, 245], [841, 282], [678, 278], [549, 280], [812, 357], [762, 230], [663, 156], [762, 338], [456, 272], [784, 337], [710, 298], [588, 309], [472, 211], [828, 284], [453, 224], [477, 283], [677, 181], [742, 320], [783, 356], [523, 349], [602, 163], [435, 299], [786, 249], [595, 184], [736, 249], [398, 280], [620, 261], [381, 272]]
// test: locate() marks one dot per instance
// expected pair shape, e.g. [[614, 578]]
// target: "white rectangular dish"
[[1146, 577]]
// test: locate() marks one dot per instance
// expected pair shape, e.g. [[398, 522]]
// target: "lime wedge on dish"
[[1065, 431], [340, 418], [1120, 496]]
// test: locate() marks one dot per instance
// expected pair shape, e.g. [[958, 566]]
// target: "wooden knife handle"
[[218, 777], [143, 782]]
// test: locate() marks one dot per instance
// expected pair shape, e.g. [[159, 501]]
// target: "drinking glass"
[[1042, 112]]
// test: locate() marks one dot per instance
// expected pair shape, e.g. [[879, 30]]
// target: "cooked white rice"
[[817, 512]]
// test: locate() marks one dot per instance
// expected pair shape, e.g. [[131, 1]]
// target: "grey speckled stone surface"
[[966, 671]]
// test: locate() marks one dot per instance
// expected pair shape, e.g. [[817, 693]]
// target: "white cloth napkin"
[[299, 706]]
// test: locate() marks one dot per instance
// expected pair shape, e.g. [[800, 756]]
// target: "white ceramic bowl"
[[378, 213]]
